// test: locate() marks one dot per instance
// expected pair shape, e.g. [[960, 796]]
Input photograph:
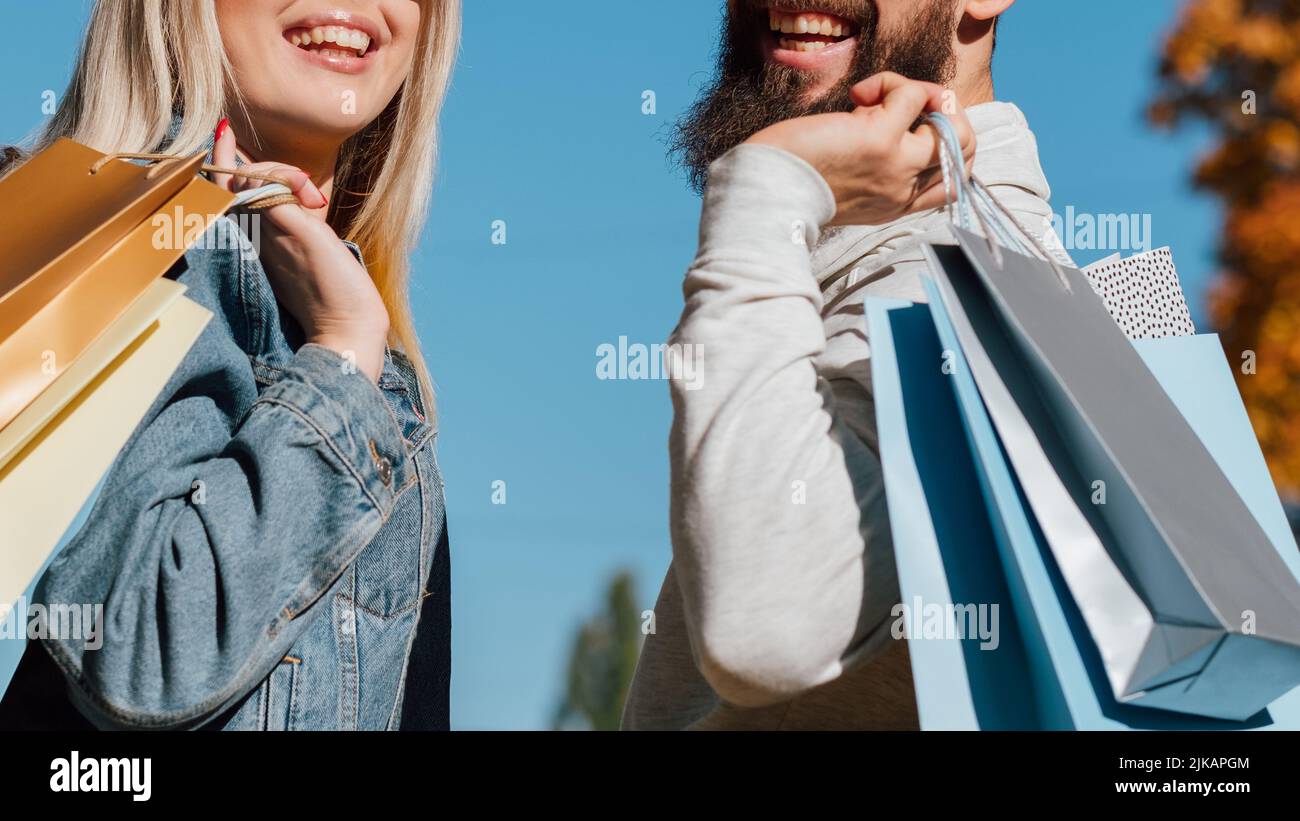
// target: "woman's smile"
[[318, 68], [337, 41]]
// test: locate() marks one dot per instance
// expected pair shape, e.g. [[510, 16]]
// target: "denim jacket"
[[270, 547]]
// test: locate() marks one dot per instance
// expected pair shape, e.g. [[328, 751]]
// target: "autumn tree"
[[1235, 65]]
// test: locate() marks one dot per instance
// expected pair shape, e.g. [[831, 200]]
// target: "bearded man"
[[819, 188]]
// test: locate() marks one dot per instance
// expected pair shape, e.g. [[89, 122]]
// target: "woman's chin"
[[334, 124]]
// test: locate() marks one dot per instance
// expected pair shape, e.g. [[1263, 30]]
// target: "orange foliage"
[[1235, 64]]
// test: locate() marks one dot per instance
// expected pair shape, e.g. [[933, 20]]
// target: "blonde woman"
[[270, 548]]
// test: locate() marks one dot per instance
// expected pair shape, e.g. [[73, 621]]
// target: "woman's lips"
[[341, 38], [342, 19], [342, 48], [336, 40]]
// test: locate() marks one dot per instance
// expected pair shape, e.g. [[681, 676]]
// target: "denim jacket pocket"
[[282, 694], [390, 572], [390, 569]]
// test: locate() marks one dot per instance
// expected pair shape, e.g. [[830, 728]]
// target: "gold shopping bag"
[[83, 424], [79, 246], [90, 330]]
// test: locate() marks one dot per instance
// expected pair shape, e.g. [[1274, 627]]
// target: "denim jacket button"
[[382, 464]]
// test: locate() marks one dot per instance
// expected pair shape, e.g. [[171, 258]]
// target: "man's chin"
[[820, 47], [828, 64]]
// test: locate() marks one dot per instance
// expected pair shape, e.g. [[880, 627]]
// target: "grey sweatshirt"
[[775, 612]]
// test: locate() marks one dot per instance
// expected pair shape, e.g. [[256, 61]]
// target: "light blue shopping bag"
[[946, 550], [13, 629], [920, 406]]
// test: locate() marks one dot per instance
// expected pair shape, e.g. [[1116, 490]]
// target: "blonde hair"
[[143, 60]]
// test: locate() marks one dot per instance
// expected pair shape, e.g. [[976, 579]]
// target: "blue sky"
[[545, 131]]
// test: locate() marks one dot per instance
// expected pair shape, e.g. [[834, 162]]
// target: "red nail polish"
[[221, 129]]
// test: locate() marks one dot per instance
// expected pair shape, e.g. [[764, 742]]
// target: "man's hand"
[[877, 167]]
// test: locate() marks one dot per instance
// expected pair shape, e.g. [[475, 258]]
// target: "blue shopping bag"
[[1061, 673], [944, 544]]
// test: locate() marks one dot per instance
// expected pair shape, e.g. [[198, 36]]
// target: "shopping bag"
[[90, 331], [1188, 600], [1142, 294], [78, 249], [945, 547], [941, 541], [49, 478], [14, 627], [1140, 519]]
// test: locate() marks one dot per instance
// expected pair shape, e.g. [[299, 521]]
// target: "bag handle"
[[161, 160], [970, 203]]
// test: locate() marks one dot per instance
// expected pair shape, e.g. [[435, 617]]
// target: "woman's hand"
[[313, 273], [877, 167]]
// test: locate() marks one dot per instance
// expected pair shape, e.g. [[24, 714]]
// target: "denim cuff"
[[352, 417]]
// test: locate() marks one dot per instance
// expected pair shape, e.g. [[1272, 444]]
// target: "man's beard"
[[750, 93]]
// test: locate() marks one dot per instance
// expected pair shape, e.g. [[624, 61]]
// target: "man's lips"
[[808, 31]]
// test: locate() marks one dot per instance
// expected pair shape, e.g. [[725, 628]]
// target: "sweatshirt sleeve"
[[780, 535]]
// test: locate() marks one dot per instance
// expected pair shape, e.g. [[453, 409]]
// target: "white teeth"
[[826, 25], [356, 42], [802, 45]]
